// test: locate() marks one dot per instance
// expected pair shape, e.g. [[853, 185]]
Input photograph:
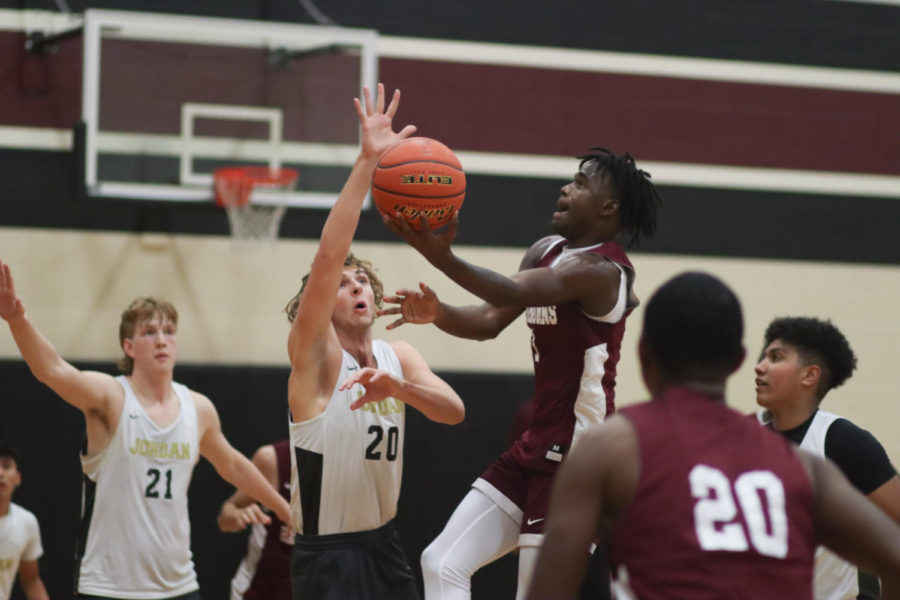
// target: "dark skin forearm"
[[490, 286], [483, 322]]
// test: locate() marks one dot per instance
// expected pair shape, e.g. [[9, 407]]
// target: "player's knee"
[[439, 565], [430, 561]]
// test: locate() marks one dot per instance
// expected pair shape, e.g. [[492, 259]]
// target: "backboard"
[[167, 99]]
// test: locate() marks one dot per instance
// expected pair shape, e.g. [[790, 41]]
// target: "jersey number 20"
[[393, 443], [717, 517]]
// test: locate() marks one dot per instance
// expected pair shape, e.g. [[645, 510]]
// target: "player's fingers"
[[367, 94], [348, 383], [396, 323], [389, 223], [395, 102], [379, 99], [359, 109], [407, 131]]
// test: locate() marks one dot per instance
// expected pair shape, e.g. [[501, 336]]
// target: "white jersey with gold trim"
[[138, 543], [20, 540], [350, 462]]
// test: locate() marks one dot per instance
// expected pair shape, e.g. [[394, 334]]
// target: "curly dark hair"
[[819, 343], [638, 198], [350, 261]]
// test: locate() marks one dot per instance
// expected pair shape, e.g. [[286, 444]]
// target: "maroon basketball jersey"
[[575, 359], [723, 507], [272, 580]]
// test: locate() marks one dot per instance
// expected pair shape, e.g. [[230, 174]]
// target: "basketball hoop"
[[249, 221]]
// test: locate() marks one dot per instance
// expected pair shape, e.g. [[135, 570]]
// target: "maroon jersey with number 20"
[[723, 508]]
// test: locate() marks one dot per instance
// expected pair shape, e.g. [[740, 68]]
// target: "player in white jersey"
[[20, 535], [144, 434], [347, 394], [803, 358]]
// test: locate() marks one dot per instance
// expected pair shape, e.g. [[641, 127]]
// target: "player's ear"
[[128, 347], [810, 375], [610, 206]]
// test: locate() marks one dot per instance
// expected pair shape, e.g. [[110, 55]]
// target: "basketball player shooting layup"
[[347, 394], [695, 500], [145, 433], [576, 291]]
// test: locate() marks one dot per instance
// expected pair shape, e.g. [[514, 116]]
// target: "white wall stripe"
[[479, 163], [640, 64]]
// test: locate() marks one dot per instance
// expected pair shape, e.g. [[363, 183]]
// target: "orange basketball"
[[419, 176]]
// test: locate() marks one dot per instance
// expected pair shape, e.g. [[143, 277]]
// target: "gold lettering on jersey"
[[6, 564], [388, 406], [541, 315], [171, 450]]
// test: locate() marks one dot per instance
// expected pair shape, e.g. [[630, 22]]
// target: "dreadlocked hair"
[[631, 186]]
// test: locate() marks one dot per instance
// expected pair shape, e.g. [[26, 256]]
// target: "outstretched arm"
[[482, 322], [588, 278], [419, 387], [312, 341], [231, 465], [240, 510], [89, 391]]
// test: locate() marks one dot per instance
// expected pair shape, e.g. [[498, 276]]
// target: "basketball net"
[[252, 223]]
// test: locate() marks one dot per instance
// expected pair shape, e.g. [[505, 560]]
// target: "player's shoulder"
[[404, 350], [22, 514], [202, 403], [539, 248]]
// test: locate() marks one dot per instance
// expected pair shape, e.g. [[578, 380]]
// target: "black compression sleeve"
[[859, 455]]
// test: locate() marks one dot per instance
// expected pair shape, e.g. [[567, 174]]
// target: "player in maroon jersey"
[[695, 500], [576, 291], [265, 571]]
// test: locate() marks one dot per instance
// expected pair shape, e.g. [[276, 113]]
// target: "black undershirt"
[[854, 450]]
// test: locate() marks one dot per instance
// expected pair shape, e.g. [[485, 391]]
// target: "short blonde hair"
[[350, 261], [141, 309]]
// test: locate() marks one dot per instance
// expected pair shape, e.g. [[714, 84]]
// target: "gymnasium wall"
[[78, 261]]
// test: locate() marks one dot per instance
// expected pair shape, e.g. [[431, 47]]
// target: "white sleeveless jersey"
[[834, 578], [139, 537], [20, 540], [346, 465]]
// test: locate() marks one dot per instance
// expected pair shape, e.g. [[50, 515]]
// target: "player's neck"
[[151, 387], [4, 505], [359, 346], [785, 418]]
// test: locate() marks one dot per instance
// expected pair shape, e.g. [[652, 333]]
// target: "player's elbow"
[[456, 415]]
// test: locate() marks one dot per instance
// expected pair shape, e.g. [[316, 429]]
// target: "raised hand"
[[379, 385], [414, 306], [376, 122], [429, 244], [11, 307]]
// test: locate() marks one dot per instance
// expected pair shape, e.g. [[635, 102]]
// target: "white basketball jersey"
[[139, 539], [834, 578], [20, 539], [346, 465]]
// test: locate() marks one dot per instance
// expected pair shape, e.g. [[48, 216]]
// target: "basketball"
[[419, 176]]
